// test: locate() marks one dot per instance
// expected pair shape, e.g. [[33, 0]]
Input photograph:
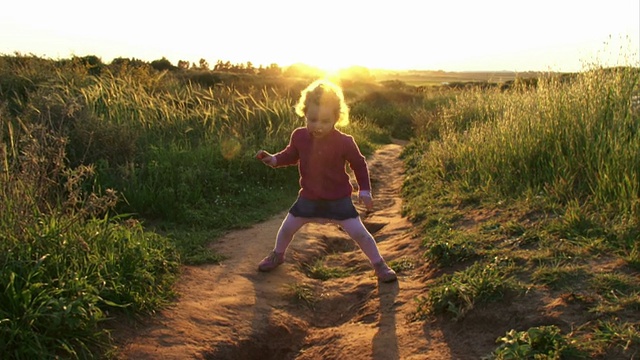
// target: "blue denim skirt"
[[340, 209]]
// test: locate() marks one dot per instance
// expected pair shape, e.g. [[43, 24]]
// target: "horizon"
[[459, 36], [193, 65]]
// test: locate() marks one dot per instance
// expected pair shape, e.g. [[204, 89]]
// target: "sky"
[[453, 35]]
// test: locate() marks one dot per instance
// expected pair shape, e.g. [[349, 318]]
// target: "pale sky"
[[454, 35]]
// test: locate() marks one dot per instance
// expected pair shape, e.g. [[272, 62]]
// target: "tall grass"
[[172, 150], [88, 159], [575, 140], [546, 173], [193, 148], [65, 263]]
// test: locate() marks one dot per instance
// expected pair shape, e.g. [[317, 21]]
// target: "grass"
[[543, 342], [402, 264], [302, 293], [546, 176], [445, 252], [318, 270], [617, 334], [560, 277], [457, 294], [111, 180]]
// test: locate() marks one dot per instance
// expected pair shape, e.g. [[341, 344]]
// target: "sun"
[[331, 66]]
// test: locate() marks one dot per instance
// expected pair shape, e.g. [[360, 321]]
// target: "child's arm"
[[358, 164], [266, 158], [289, 155], [364, 196]]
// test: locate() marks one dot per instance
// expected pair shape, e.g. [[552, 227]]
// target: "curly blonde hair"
[[325, 93]]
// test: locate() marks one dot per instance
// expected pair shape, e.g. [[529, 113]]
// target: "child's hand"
[[265, 157], [364, 196]]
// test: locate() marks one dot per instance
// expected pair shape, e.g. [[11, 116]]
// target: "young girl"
[[321, 153]]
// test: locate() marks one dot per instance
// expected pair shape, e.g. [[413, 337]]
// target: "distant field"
[[427, 78]]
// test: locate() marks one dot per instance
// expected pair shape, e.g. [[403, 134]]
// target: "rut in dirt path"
[[231, 311]]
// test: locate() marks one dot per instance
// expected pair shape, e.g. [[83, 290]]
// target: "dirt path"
[[231, 311]]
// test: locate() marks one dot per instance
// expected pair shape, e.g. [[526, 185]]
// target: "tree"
[[250, 69], [203, 64], [93, 63], [222, 66], [162, 64], [183, 64], [271, 70]]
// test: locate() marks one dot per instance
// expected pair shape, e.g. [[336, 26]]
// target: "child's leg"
[[290, 225], [355, 228]]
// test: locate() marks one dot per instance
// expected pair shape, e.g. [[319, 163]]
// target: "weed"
[[303, 293], [446, 253], [402, 264], [558, 276], [457, 294], [319, 271], [543, 342], [632, 258], [513, 229], [615, 333]]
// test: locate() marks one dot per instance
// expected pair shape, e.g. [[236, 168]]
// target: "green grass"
[[456, 294], [445, 252], [560, 277], [547, 176], [617, 334], [302, 293], [318, 270], [543, 342], [111, 178], [403, 264]]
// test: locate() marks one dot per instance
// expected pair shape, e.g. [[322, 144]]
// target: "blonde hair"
[[323, 92]]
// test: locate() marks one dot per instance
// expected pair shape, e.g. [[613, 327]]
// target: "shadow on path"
[[385, 342]]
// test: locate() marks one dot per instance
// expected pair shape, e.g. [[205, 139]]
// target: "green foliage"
[[62, 266], [633, 258], [389, 109], [615, 333], [543, 342], [303, 293], [545, 173], [560, 277], [402, 264], [82, 141], [458, 293], [571, 140], [447, 246], [446, 253], [318, 270]]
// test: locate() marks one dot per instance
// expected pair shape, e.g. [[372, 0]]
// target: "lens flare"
[[230, 148]]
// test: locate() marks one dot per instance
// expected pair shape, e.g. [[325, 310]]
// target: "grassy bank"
[[533, 193], [114, 177]]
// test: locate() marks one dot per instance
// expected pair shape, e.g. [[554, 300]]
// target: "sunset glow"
[[452, 36]]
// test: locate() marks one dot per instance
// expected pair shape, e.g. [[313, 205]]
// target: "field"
[[435, 78], [520, 193]]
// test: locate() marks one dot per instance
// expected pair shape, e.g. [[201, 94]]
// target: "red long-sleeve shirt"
[[322, 164]]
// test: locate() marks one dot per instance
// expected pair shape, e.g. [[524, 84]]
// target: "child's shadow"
[[385, 342]]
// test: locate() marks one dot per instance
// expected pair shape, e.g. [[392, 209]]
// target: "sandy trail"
[[231, 311]]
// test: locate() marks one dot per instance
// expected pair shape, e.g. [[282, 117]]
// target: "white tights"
[[354, 227]]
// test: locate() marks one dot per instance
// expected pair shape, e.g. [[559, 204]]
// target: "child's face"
[[320, 119]]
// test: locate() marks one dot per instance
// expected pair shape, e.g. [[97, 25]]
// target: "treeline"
[[96, 66]]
